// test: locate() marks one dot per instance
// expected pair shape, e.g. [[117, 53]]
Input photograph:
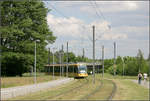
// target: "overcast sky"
[[126, 23]]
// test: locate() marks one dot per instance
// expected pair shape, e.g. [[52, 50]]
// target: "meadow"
[[104, 88]]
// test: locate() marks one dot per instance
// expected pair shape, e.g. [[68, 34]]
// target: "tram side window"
[[64, 68], [46, 69], [51, 69], [70, 69], [57, 69], [75, 69]]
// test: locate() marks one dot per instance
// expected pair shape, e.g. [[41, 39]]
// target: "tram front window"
[[82, 69]]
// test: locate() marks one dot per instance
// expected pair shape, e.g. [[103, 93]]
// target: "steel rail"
[[67, 91], [113, 91], [99, 88], [93, 92]]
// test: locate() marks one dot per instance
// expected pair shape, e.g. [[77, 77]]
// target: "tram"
[[74, 70]]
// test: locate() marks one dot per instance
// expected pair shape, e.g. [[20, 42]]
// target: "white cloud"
[[111, 6], [63, 26], [116, 5], [76, 28], [129, 36], [134, 30], [113, 36], [131, 5], [78, 33]]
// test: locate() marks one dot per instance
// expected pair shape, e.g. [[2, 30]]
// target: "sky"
[[123, 22]]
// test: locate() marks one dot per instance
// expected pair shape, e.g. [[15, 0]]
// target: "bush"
[[132, 65], [110, 70], [15, 63]]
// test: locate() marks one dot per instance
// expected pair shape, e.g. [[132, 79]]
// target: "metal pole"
[[103, 59], [114, 58], [149, 65], [93, 54], [62, 60], [35, 63], [0, 42], [83, 55], [49, 56], [67, 60], [53, 65], [123, 67], [49, 61]]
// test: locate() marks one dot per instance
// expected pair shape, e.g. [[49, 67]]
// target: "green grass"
[[25, 80], [103, 92], [48, 93], [37, 74], [51, 94], [106, 75], [126, 90]]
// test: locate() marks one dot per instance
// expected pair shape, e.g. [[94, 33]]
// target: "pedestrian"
[[145, 77], [139, 77]]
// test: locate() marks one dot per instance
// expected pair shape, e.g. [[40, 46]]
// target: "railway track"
[[70, 90], [99, 88], [83, 89], [113, 91], [93, 92]]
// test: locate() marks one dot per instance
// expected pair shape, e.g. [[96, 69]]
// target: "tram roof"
[[70, 64], [73, 64]]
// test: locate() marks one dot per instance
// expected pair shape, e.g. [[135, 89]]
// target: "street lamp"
[[53, 59], [35, 61], [60, 62], [62, 56]]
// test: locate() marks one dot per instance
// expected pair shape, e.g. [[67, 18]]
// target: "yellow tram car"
[[75, 70]]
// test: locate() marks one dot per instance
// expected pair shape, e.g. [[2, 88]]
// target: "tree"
[[131, 67], [71, 57], [108, 63], [18, 62], [118, 60], [139, 59], [142, 64], [22, 23], [79, 59]]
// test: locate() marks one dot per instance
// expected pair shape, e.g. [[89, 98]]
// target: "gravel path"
[[145, 84], [22, 90]]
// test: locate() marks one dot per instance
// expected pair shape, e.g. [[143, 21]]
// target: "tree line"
[[128, 65]]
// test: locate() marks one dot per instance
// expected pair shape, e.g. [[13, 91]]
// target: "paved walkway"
[[145, 84], [22, 90]]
